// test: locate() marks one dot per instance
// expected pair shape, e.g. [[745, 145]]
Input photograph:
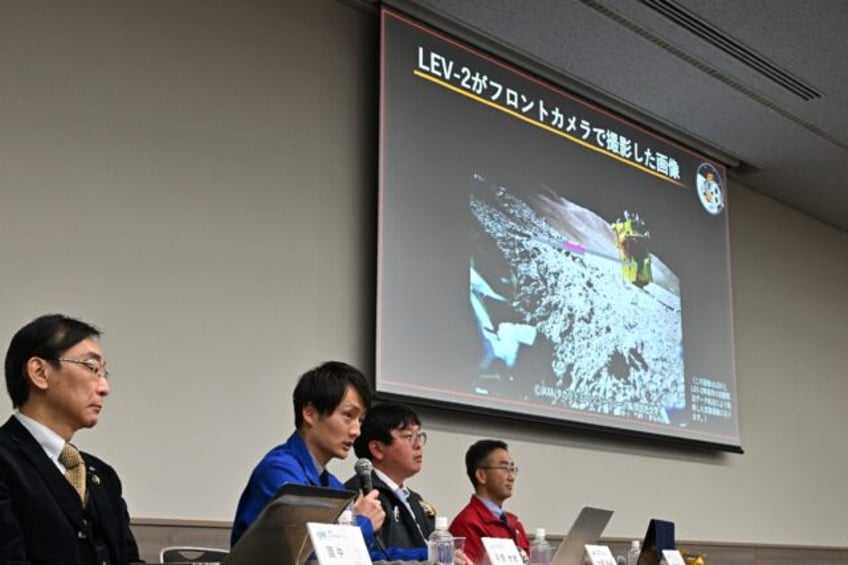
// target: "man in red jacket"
[[492, 472]]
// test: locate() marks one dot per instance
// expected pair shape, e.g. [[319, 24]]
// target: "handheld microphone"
[[363, 468]]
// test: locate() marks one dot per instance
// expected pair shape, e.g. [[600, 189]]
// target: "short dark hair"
[[324, 388], [47, 337], [379, 423], [477, 455]]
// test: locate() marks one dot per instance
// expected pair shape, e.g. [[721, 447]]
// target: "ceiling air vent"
[[740, 87], [709, 33]]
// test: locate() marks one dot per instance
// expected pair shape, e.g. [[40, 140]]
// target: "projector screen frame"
[[485, 45]]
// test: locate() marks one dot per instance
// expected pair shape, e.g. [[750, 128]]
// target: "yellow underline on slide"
[[545, 127]]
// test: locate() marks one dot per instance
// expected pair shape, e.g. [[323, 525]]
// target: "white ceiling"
[[703, 74]]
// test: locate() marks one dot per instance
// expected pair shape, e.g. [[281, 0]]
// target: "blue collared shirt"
[[496, 510]]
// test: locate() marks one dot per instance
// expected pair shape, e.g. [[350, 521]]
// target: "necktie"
[[74, 469], [505, 520], [324, 478], [403, 495]]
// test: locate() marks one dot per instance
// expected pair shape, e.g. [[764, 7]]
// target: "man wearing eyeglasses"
[[492, 472], [58, 506], [392, 440]]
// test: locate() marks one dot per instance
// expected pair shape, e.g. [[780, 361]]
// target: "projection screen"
[[543, 258]]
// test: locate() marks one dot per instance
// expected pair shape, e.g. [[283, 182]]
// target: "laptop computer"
[[279, 534], [587, 528], [660, 536]]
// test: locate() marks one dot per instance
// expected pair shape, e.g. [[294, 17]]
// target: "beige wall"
[[198, 178]]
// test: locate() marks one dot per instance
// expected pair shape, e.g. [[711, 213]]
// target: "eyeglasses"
[[509, 469], [414, 439], [95, 367]]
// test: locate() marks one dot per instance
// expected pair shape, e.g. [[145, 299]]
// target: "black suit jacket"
[[400, 529], [42, 521]]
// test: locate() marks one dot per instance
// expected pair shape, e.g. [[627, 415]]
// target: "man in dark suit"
[[57, 380], [392, 440]]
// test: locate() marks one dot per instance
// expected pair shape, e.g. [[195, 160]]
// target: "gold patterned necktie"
[[74, 469]]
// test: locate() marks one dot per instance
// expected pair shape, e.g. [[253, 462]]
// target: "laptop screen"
[[279, 535], [587, 528], [660, 536]]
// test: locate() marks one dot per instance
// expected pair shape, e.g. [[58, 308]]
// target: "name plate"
[[672, 557], [338, 545], [502, 551], [600, 555]]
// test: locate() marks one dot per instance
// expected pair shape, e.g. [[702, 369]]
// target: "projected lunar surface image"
[[573, 310]]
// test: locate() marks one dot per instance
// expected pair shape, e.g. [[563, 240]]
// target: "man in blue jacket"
[[330, 402]]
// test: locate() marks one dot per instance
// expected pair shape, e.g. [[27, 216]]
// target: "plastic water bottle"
[[633, 552], [440, 543], [540, 550]]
